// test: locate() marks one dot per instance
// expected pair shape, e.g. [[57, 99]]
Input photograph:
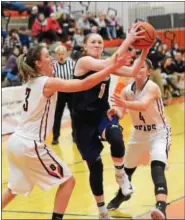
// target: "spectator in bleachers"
[[84, 24], [24, 50], [61, 8], [120, 33], [173, 50], [54, 25], [91, 20], [167, 72], [41, 31], [157, 43], [33, 16], [156, 56], [77, 44], [103, 26], [165, 49], [72, 27], [64, 23], [78, 39], [44, 8], [179, 68], [179, 63], [3, 35], [24, 37], [112, 26], [94, 29], [11, 41], [39, 25], [53, 7], [10, 72]]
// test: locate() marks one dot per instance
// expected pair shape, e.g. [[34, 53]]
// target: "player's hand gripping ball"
[[150, 36]]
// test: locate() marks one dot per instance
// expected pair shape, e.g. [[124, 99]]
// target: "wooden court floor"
[[82, 206]]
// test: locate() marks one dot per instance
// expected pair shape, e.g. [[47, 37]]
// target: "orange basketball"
[[150, 36]]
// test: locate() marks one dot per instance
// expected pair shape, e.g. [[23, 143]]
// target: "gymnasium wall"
[[179, 37]]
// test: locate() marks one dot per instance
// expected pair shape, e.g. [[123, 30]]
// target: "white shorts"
[[32, 163], [147, 146]]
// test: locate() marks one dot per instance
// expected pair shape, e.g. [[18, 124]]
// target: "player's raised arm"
[[133, 35], [133, 70], [89, 61], [141, 105], [54, 84]]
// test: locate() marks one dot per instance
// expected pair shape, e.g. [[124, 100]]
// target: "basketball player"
[[31, 162], [90, 120], [151, 135]]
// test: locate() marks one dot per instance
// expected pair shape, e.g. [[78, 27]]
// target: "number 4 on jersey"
[[141, 117]]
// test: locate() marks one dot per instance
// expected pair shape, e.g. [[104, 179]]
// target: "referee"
[[63, 68]]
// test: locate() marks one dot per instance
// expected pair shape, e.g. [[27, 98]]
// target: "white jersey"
[[38, 111], [153, 117]]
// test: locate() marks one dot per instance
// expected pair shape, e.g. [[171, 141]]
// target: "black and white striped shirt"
[[64, 70]]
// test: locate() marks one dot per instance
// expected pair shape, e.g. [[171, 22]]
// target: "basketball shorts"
[[32, 163], [144, 147], [87, 140]]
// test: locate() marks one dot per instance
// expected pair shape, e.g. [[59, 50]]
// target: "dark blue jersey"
[[91, 105]]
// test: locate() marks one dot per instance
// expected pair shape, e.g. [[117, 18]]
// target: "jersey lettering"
[[25, 106], [145, 127], [102, 91]]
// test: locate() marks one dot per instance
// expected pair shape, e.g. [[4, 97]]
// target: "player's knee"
[[158, 176], [96, 176], [71, 182], [114, 136]]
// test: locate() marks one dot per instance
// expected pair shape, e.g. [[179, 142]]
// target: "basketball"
[[150, 36]]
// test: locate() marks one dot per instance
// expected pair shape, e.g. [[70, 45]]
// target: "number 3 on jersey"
[[141, 117], [25, 105]]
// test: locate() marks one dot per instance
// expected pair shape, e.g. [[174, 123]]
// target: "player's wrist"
[[126, 104], [130, 39]]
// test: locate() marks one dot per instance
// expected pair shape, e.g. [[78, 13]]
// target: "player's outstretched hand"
[[135, 33], [124, 60], [117, 101]]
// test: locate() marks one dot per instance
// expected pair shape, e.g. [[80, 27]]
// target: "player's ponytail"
[[26, 64]]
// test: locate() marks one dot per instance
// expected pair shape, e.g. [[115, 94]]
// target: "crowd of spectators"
[[51, 22], [168, 68]]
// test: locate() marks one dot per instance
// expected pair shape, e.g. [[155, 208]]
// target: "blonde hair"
[[26, 64], [60, 48]]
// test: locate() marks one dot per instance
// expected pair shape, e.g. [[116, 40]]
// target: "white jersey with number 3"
[[38, 111], [153, 117]]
